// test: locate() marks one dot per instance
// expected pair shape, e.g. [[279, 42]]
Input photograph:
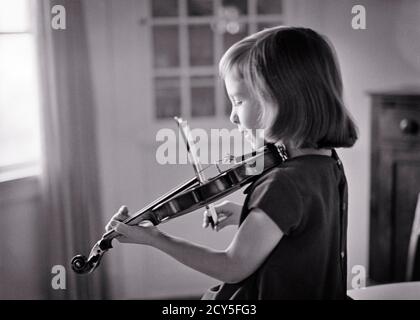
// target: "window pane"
[[201, 45], [200, 7], [165, 46], [264, 25], [269, 7], [240, 5], [229, 39], [14, 15], [168, 98], [19, 107], [202, 97], [164, 8]]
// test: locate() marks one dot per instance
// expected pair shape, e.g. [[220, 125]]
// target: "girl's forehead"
[[234, 74], [234, 82]]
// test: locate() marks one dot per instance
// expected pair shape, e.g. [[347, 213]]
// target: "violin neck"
[[141, 215]]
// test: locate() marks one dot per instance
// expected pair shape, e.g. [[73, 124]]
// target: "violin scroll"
[[81, 265]]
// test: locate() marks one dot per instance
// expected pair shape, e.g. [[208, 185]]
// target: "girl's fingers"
[[146, 223], [222, 206], [206, 219], [123, 239], [123, 229], [127, 230], [222, 222], [222, 217], [121, 215], [110, 225]]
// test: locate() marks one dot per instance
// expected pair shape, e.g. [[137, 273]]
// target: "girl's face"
[[245, 108]]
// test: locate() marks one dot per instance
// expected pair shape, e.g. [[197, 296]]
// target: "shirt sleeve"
[[280, 199]]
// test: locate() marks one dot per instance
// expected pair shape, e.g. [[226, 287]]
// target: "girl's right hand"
[[228, 213]]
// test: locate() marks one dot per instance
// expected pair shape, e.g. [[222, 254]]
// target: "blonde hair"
[[294, 74]]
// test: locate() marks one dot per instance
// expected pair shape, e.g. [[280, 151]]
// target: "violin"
[[193, 194]]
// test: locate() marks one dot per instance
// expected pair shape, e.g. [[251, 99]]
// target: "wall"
[[21, 265], [373, 59]]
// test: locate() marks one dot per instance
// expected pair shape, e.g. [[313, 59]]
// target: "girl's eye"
[[237, 103]]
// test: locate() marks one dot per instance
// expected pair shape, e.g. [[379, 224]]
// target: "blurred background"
[[80, 108]]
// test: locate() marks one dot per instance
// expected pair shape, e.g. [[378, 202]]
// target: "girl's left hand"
[[144, 233]]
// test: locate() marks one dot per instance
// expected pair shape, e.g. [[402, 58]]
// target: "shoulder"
[[276, 194], [304, 175], [275, 180]]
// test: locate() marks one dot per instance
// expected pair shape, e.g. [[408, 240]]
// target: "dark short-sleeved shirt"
[[306, 197]]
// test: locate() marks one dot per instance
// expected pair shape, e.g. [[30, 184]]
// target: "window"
[[19, 92], [188, 39]]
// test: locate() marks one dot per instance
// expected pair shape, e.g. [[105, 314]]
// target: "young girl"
[[291, 237]]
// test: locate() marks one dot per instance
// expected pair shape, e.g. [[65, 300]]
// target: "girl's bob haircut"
[[294, 74]]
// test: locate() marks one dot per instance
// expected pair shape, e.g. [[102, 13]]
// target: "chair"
[[391, 291], [413, 257], [409, 290]]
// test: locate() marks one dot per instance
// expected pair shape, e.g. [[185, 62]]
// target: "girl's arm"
[[255, 239]]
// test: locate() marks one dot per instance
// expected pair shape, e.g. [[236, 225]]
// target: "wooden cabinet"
[[395, 181]]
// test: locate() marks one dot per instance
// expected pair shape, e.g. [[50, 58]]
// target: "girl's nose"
[[234, 117]]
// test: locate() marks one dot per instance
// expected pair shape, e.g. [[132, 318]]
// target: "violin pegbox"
[[282, 151]]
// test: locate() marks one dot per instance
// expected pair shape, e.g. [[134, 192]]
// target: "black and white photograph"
[[216, 150]]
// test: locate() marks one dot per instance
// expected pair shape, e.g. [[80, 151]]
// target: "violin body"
[[219, 187], [188, 197]]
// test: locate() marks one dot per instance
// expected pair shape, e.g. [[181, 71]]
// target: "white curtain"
[[71, 219]]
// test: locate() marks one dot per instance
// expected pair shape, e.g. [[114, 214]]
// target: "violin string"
[[228, 159], [228, 156]]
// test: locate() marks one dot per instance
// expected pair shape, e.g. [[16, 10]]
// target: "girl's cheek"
[[252, 115]]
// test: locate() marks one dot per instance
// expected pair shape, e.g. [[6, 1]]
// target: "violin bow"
[[195, 161]]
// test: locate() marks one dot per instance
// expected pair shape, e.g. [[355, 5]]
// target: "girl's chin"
[[248, 137], [253, 141]]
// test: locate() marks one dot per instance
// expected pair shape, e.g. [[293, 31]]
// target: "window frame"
[[26, 170], [185, 71]]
